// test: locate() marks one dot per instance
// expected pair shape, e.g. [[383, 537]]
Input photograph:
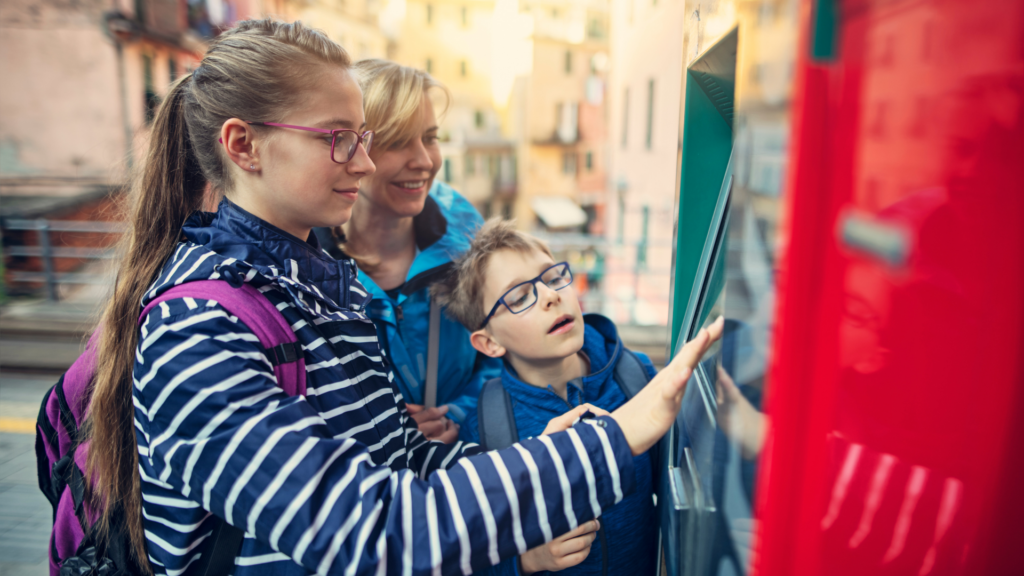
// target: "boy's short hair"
[[462, 290]]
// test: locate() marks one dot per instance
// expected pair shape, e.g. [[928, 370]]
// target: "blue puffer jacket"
[[443, 232], [631, 527], [339, 480]]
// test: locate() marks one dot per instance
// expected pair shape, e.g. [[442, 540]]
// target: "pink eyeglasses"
[[344, 142]]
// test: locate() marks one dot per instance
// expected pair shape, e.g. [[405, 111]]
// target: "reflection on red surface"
[[896, 392], [890, 515]]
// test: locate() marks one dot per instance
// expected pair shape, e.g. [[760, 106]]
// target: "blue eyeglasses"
[[523, 296]]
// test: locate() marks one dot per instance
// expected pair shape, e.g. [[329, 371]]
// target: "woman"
[[188, 428], [405, 230]]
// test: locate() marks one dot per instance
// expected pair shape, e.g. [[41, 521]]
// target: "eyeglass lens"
[[524, 295], [345, 144]]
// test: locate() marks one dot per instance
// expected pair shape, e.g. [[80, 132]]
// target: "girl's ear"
[[485, 344], [239, 142]]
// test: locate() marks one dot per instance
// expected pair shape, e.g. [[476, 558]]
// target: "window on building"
[[569, 163], [625, 117], [470, 164], [430, 13], [590, 161], [172, 68], [462, 68], [568, 62], [430, 66], [150, 99], [465, 16], [649, 139], [478, 119], [492, 165]]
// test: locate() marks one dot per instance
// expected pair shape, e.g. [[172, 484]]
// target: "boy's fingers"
[[413, 408], [576, 544], [429, 414], [593, 409], [573, 559]]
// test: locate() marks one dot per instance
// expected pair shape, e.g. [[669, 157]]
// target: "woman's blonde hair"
[[392, 95], [255, 71]]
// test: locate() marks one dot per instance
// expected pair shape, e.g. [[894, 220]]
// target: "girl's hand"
[[563, 552], [433, 423], [649, 415], [564, 422]]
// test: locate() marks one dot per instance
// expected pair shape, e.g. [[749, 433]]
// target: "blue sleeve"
[[213, 427], [469, 430], [465, 405], [648, 365]]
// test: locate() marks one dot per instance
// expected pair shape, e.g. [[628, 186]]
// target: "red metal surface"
[[897, 386]]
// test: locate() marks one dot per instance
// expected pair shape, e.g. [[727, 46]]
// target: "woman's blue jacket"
[[338, 481], [443, 232]]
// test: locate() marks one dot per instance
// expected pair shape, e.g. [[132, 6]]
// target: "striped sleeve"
[[222, 435]]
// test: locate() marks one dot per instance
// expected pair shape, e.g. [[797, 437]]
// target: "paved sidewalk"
[[25, 514]]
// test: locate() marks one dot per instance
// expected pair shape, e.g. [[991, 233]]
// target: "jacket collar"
[[250, 246]]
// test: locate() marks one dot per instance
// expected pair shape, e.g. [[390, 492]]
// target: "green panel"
[[707, 144], [826, 26]]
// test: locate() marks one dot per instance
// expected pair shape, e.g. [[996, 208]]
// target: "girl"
[[404, 238], [188, 426]]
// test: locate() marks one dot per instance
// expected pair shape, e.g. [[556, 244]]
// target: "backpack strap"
[[254, 310], [494, 414], [433, 350], [630, 374], [225, 542]]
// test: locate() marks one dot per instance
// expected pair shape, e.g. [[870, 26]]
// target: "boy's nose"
[[547, 296]]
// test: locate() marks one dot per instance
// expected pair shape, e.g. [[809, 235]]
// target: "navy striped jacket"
[[339, 481]]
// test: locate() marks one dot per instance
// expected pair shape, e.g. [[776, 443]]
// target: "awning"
[[558, 211]]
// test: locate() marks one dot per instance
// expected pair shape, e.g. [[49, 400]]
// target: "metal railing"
[[47, 252]]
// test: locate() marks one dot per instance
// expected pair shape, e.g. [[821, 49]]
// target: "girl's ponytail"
[[169, 188], [253, 72]]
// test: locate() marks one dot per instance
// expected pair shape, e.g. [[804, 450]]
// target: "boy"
[[520, 305]]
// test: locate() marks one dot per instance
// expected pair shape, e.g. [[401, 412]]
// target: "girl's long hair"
[[255, 71]]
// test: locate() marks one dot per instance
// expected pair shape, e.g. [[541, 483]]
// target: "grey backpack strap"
[[494, 415], [433, 350], [630, 373]]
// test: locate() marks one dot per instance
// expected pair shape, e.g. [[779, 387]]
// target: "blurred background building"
[[564, 114]]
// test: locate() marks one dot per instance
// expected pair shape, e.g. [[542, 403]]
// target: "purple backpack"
[[60, 458]]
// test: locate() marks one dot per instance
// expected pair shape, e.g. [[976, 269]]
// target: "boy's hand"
[[564, 422], [433, 423], [563, 552], [646, 418]]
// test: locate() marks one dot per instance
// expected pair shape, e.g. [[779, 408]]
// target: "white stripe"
[[426, 462], [343, 383], [193, 403], [178, 262], [353, 339], [327, 506], [154, 539], [385, 440], [196, 368], [398, 454], [435, 541], [250, 470], [165, 310], [538, 492], [460, 523], [361, 539], [169, 502], [346, 527], [588, 470], [180, 571], [513, 501], [228, 452], [485, 509], [189, 272], [407, 537], [262, 559], [275, 485], [363, 427], [355, 405], [382, 553], [303, 496], [183, 528], [455, 450], [190, 302], [343, 360], [168, 355], [609, 456], [203, 436], [563, 480]]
